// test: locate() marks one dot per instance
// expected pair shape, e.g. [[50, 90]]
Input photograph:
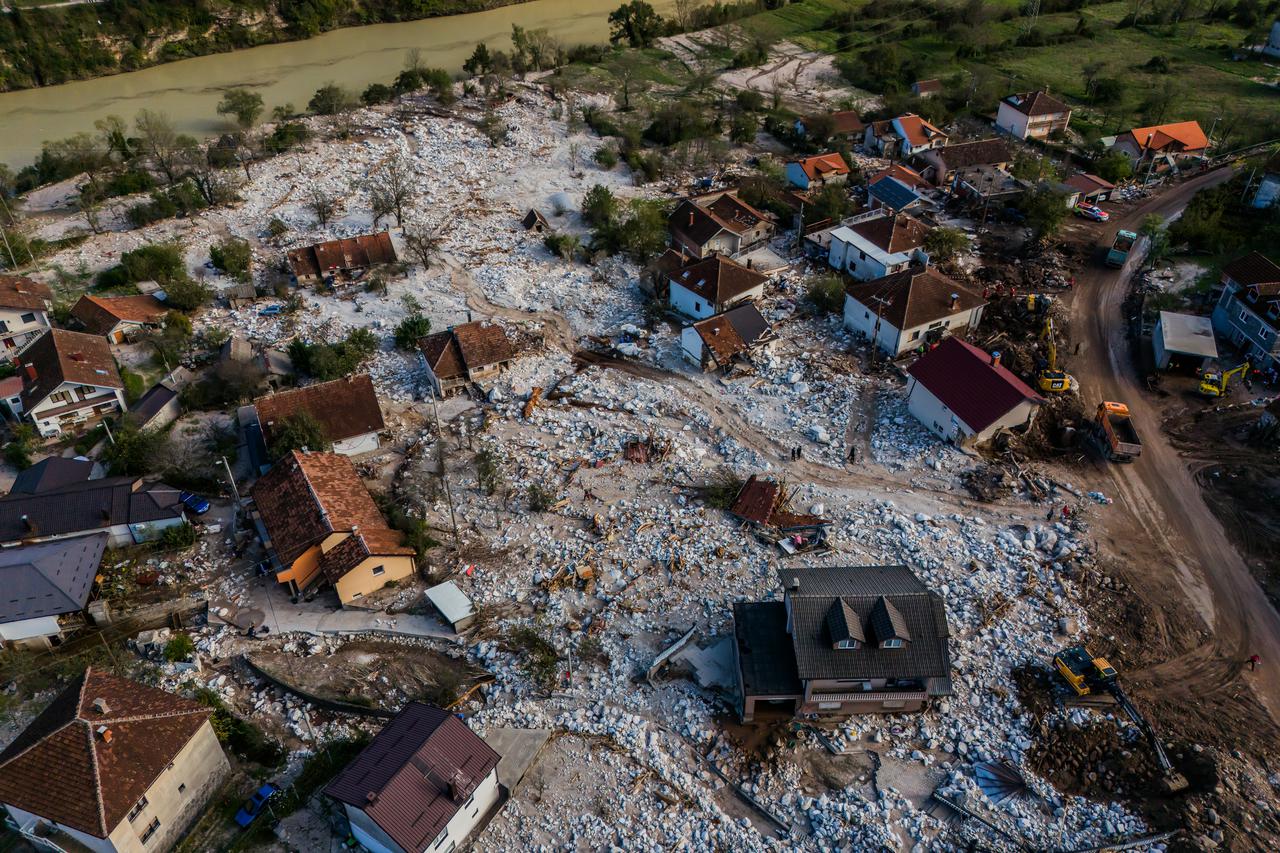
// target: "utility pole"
[[232, 480], [875, 330], [111, 438], [444, 481]]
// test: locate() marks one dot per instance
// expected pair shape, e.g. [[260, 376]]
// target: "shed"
[[1186, 337], [535, 221], [453, 604]]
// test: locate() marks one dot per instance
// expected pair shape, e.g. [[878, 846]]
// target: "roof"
[[892, 233], [822, 166], [1255, 270], [844, 122], [893, 193], [471, 346], [18, 291], [60, 769], [902, 173], [718, 279], [927, 87], [236, 348], [452, 603], [366, 250], [1036, 104], [415, 774], [701, 219], [1178, 136], [1187, 334], [52, 473], [152, 402], [60, 356], [100, 314], [914, 297], [344, 408], [983, 152], [766, 658], [1087, 183], [886, 602], [916, 130], [86, 506], [307, 496], [762, 502], [48, 578], [964, 379], [732, 332]]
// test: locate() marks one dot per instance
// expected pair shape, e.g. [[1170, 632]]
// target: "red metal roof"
[[964, 379]]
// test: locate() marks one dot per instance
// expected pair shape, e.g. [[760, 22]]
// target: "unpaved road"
[[1172, 536]]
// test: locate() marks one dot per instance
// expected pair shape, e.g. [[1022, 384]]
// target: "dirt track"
[[1168, 534]]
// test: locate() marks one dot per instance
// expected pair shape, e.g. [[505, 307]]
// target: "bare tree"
[[160, 142], [89, 202], [390, 187], [683, 13], [322, 205], [423, 243]]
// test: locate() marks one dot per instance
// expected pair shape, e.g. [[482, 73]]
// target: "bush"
[[723, 487], [826, 292], [179, 647], [233, 256], [240, 736], [330, 99], [159, 262], [541, 659], [187, 294], [286, 136], [133, 451], [541, 498], [376, 93], [298, 431], [331, 361], [410, 329], [178, 537], [134, 385], [606, 157], [564, 246]]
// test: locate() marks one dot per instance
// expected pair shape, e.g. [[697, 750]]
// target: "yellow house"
[[322, 526]]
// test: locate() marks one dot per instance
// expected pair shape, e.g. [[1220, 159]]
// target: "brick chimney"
[[104, 734], [100, 706], [955, 300]]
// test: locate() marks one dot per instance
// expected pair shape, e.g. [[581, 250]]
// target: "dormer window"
[[848, 644], [844, 626], [891, 643], [888, 625], [1253, 294]]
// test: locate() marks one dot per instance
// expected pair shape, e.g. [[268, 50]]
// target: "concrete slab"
[[713, 666], [518, 748]]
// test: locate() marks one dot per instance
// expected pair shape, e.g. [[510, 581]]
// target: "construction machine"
[[1039, 303], [1214, 383], [1050, 378], [1112, 432], [1086, 673]]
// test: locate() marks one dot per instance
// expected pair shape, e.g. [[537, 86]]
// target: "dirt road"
[[1161, 497]]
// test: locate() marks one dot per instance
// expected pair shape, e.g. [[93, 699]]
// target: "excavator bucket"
[[1173, 782]]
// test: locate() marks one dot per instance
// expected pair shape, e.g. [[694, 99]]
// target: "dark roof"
[[52, 473], [60, 356], [734, 331], [367, 250], [984, 152], [1036, 103], [471, 346], [48, 578], [700, 219], [882, 598], [1255, 270], [18, 291], [344, 408], [964, 379], [843, 622], [766, 657], [152, 402], [86, 507], [914, 297], [845, 122], [415, 774], [893, 193], [893, 233], [100, 314], [60, 769], [927, 87], [718, 279]]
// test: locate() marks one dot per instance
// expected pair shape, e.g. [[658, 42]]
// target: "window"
[[1253, 294], [60, 397], [28, 317], [1263, 334], [151, 830], [697, 306], [891, 643], [357, 595], [378, 570], [444, 833], [137, 810], [866, 315], [915, 336], [847, 644], [1244, 316]]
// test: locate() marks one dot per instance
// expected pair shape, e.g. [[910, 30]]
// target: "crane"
[[1050, 378], [1214, 384]]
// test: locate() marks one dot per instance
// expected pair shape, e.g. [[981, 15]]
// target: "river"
[[188, 91]]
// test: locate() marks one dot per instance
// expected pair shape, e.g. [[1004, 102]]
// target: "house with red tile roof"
[[1032, 115], [1083, 186], [817, 171], [426, 782], [119, 318], [111, 766], [902, 137], [719, 341], [339, 262], [1163, 146], [718, 223], [68, 379], [347, 410], [965, 396], [845, 124], [926, 88], [24, 312], [460, 355]]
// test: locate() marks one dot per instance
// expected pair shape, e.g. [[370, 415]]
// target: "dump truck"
[[1113, 433], [1120, 248], [1086, 673]]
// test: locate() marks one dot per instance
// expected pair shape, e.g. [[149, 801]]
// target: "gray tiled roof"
[[86, 507], [49, 578]]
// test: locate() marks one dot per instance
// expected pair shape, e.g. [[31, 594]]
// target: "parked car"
[[1092, 211], [256, 804], [194, 502], [271, 311]]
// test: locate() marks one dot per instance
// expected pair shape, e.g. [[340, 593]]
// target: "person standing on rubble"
[[1254, 660]]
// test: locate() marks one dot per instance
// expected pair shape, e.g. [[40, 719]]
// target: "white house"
[[346, 409], [24, 312], [902, 137], [1032, 115], [964, 396], [714, 343], [68, 379], [817, 171], [907, 309], [426, 763], [1268, 192], [876, 244], [711, 285]]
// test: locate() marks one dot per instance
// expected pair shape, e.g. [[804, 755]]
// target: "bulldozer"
[[1050, 378], [1214, 384], [1086, 673]]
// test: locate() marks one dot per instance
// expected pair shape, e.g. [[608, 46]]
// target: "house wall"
[[96, 401], [118, 536], [862, 264], [362, 581], [167, 414], [30, 633], [692, 347], [942, 422], [797, 176], [369, 834], [689, 303], [200, 767], [860, 318], [25, 819], [16, 332], [916, 335], [1011, 121], [357, 444], [1242, 324], [149, 531], [724, 243]]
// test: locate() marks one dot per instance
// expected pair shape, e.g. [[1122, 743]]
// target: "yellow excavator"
[[1214, 384], [1050, 378]]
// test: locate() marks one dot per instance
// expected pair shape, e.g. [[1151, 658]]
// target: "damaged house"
[[843, 641], [338, 262], [720, 341], [765, 506], [718, 223], [472, 352], [713, 285], [347, 410], [119, 319], [24, 312], [906, 309]]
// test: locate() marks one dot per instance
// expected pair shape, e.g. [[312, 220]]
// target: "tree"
[[160, 143], [376, 93], [636, 23], [827, 293], [1089, 72], [440, 82], [245, 106], [233, 256], [944, 243], [599, 206], [415, 325], [322, 205], [480, 62], [80, 153], [744, 127], [133, 451], [1045, 209], [830, 202], [1158, 247], [493, 128], [1113, 165], [390, 188], [298, 431], [89, 202], [330, 99], [187, 294], [1033, 168], [113, 133], [423, 244]]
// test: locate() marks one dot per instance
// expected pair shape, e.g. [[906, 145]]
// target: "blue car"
[[194, 502], [256, 804], [271, 311]]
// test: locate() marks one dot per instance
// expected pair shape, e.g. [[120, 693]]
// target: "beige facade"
[[71, 404], [372, 575]]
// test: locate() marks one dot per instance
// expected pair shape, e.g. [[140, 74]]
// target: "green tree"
[[133, 451], [330, 99], [298, 431], [599, 206], [243, 105], [414, 326], [233, 256], [376, 93], [636, 23], [480, 62], [1045, 209], [179, 648], [945, 243], [187, 294], [440, 82], [1113, 165], [827, 293]]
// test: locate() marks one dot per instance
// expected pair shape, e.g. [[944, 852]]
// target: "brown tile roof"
[[846, 121], [415, 774], [718, 279], [1087, 183], [18, 291], [1255, 270], [700, 220], [1036, 104], [100, 314], [345, 408], [735, 214], [1179, 136], [61, 769], [914, 297], [367, 250], [964, 379], [905, 174], [983, 152], [60, 356], [734, 331], [307, 496], [823, 166], [471, 346], [763, 502], [893, 234]]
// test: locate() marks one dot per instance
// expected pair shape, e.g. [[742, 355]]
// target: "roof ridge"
[[97, 774]]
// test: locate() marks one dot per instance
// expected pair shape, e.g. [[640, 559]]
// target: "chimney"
[[104, 734], [371, 797], [77, 356], [31, 372], [749, 263], [955, 300], [995, 358], [468, 315], [690, 217], [100, 706]]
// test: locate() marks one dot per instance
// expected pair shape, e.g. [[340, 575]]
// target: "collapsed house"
[[843, 641], [461, 355], [766, 507], [726, 339], [339, 262]]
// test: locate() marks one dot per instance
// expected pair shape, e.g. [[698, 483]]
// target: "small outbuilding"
[[1183, 340], [453, 605]]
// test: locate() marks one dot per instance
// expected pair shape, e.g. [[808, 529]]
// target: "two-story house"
[[902, 137], [713, 285], [1032, 115], [946, 163], [876, 244], [817, 171], [718, 223], [910, 308], [68, 379], [1248, 311], [24, 312], [129, 510], [843, 641], [1163, 146]]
